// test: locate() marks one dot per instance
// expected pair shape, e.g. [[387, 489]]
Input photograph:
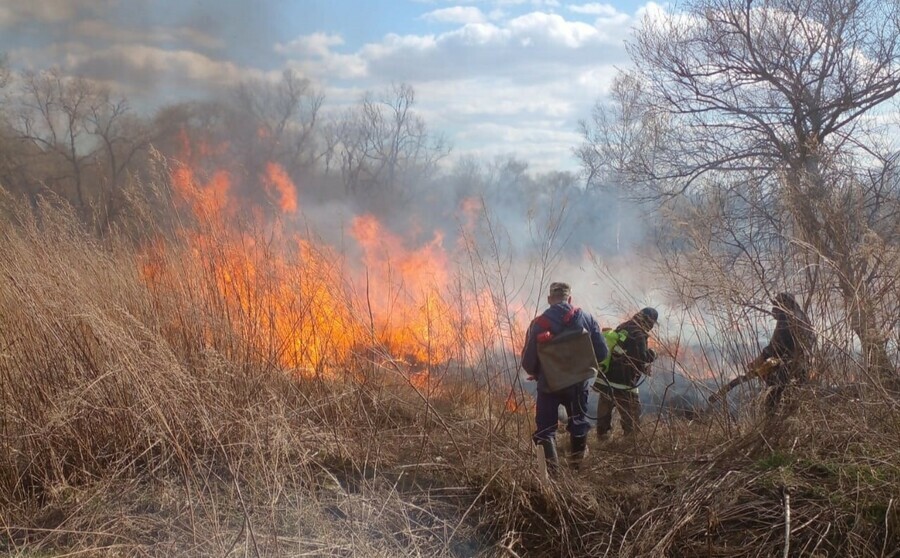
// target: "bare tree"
[[53, 116], [14, 154], [280, 118], [84, 137], [385, 147], [766, 111], [123, 137], [622, 136]]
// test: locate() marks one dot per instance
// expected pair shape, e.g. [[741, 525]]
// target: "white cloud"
[[54, 54], [534, 3], [317, 44], [48, 11], [313, 56], [503, 78], [489, 117], [594, 9], [331, 66], [653, 13], [552, 29], [528, 48], [146, 74], [494, 87], [149, 67], [103, 30], [456, 14], [502, 3], [477, 34]]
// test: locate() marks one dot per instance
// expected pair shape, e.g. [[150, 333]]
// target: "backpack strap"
[[544, 334], [544, 323]]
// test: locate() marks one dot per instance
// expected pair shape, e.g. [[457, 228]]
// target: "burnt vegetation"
[[195, 361]]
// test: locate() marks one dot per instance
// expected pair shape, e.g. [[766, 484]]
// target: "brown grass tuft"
[[140, 425]]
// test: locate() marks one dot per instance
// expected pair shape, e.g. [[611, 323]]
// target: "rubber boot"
[[579, 448], [551, 458]]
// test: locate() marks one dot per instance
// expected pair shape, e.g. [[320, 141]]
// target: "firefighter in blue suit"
[[560, 316]]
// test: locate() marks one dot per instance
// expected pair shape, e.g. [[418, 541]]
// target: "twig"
[[507, 543], [612, 531], [237, 538], [787, 523], [246, 516], [694, 461], [887, 517], [472, 505], [821, 538]]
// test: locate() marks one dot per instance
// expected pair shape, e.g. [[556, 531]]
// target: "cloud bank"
[[498, 76]]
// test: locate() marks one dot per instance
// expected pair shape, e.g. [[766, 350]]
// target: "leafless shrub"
[[154, 422]]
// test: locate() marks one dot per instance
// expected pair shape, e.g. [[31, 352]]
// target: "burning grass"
[[160, 403]]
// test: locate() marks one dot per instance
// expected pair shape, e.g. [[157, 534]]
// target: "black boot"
[[551, 458], [579, 447]]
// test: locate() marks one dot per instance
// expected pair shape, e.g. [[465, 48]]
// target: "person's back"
[[618, 387], [626, 367], [789, 348], [558, 318], [785, 359]]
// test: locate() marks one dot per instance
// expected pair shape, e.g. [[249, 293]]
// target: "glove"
[[760, 367], [652, 354], [756, 363]]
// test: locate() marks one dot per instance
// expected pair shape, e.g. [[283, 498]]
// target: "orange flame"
[[405, 289], [514, 403], [277, 179], [420, 380], [298, 302]]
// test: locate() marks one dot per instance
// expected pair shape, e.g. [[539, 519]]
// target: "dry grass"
[[139, 426]]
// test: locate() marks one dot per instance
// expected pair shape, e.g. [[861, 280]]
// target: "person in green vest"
[[617, 383]]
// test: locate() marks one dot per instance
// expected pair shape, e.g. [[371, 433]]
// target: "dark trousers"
[[779, 379], [629, 406], [574, 399]]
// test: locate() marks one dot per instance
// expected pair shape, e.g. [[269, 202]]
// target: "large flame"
[[293, 298], [404, 290]]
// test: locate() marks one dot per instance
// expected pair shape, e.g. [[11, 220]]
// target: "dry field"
[[143, 413]]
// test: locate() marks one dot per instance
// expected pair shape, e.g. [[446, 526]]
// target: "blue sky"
[[498, 77]]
